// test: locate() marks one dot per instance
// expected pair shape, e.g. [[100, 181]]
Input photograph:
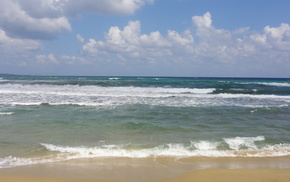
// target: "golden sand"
[[5, 178], [157, 170], [210, 175], [235, 175]]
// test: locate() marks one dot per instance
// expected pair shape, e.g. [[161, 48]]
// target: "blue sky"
[[233, 38]]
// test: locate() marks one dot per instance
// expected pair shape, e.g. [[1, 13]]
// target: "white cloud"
[[278, 37], [18, 22], [80, 38], [41, 59], [202, 21], [184, 40], [93, 47], [215, 44], [51, 58], [46, 59], [24, 23], [64, 59], [129, 43], [120, 7], [206, 44], [278, 32], [74, 59], [237, 46], [45, 19], [274, 37], [273, 45], [12, 46]]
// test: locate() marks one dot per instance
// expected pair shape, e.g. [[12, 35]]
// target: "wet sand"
[[235, 175], [5, 178], [154, 170], [210, 175]]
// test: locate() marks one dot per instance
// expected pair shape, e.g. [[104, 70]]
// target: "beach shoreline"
[[207, 175], [153, 170], [234, 175]]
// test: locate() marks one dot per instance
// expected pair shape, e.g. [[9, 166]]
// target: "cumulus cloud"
[[80, 38], [118, 7], [47, 59], [129, 43], [11, 46], [277, 37], [205, 44], [202, 44], [64, 59], [237, 46], [45, 19], [18, 22], [24, 23], [202, 21], [74, 59]]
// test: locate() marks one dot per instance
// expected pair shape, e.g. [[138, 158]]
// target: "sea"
[[50, 119]]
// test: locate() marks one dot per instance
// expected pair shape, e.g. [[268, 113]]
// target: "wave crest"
[[236, 147]]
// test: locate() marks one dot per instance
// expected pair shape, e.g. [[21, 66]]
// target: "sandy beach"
[[235, 175], [154, 170], [217, 175], [5, 178]]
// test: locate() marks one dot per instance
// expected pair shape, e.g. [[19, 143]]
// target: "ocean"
[[50, 119]]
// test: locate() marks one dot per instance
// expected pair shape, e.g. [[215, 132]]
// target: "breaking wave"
[[26, 95], [6, 113], [227, 147]]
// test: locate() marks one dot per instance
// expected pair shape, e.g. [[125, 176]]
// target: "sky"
[[190, 38]]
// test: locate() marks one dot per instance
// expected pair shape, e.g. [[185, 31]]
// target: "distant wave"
[[75, 90], [172, 100], [3, 80], [111, 96], [275, 84], [6, 113], [79, 90], [114, 78]]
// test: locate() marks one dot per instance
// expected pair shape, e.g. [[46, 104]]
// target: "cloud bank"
[[45, 19], [205, 43], [25, 24], [13, 46]]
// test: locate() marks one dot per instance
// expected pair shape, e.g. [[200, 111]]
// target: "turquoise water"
[[50, 119]]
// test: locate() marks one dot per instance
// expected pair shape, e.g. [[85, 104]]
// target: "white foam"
[[226, 95], [6, 113], [18, 94], [237, 147], [239, 142], [205, 145], [11, 161], [3, 80], [276, 84], [75, 90]]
